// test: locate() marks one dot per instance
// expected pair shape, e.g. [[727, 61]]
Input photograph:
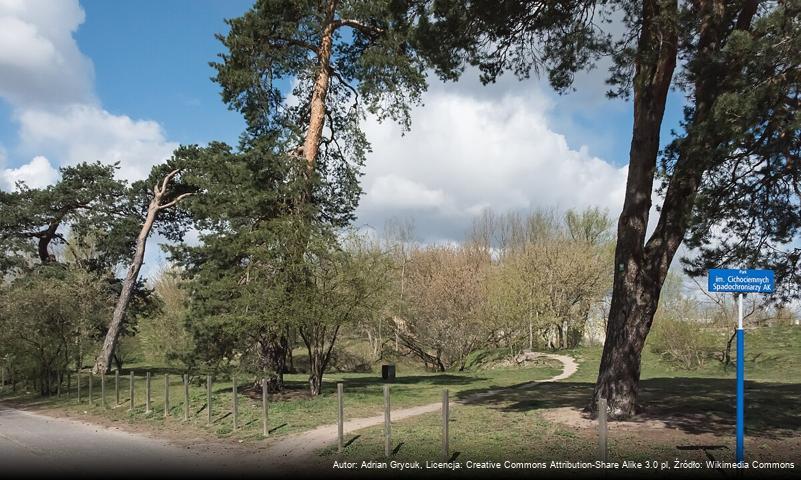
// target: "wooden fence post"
[[186, 397], [69, 385], [147, 392], [166, 395], [132, 399], [208, 396], [602, 429], [91, 398], [102, 390], [235, 405], [387, 423], [340, 417], [3, 380], [264, 416], [58, 386], [117, 387], [78, 381], [445, 418]]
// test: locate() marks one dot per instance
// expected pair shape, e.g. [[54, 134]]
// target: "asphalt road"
[[36, 444]]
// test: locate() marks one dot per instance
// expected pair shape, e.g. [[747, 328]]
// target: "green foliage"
[[163, 335], [746, 212], [270, 266], [50, 318], [684, 344], [552, 274], [373, 63], [372, 69], [680, 335], [522, 36], [86, 197]]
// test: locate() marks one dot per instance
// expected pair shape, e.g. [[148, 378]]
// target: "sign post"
[[740, 282], [740, 453]]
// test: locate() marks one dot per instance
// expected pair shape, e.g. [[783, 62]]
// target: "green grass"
[[771, 355], [291, 412], [697, 405], [509, 425]]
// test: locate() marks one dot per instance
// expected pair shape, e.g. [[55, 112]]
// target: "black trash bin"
[[388, 372]]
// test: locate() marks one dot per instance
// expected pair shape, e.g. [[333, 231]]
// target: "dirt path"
[[296, 447]]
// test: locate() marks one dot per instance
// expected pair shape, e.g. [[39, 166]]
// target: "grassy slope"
[[510, 426]]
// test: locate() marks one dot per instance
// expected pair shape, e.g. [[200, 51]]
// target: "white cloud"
[[49, 84], [398, 192], [39, 58], [36, 174], [85, 133], [468, 152]]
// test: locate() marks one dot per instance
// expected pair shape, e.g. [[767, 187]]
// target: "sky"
[[130, 81]]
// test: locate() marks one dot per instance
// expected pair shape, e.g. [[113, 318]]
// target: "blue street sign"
[[740, 281]]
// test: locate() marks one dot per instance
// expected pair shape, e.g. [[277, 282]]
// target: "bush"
[[684, 344], [345, 361]]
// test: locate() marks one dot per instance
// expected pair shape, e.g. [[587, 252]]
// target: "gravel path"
[[296, 447]]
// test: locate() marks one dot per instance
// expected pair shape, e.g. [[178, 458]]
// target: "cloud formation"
[[40, 60], [49, 84], [468, 152], [85, 133], [37, 173]]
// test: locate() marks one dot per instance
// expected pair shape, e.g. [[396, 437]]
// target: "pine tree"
[[729, 178], [272, 209]]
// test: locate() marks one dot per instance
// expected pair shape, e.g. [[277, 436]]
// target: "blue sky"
[[129, 81], [151, 61]]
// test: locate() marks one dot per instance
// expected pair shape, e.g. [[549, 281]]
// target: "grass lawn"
[[695, 410], [291, 412]]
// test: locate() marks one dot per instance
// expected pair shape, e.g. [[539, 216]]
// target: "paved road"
[[32, 443]]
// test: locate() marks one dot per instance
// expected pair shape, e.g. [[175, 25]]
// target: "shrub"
[[682, 343]]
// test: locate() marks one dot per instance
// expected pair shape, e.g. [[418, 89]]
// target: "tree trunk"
[[640, 270], [110, 343], [315, 375], [636, 293], [117, 361], [273, 354], [311, 144], [46, 236]]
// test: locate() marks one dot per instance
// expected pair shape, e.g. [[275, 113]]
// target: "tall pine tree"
[[729, 177]]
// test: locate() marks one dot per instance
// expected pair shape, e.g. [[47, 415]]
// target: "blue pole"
[[740, 395]]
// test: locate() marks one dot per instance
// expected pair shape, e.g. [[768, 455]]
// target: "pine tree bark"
[[641, 269], [311, 144], [635, 293], [112, 335]]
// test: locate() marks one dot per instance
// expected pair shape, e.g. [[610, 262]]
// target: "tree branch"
[[177, 199], [357, 25]]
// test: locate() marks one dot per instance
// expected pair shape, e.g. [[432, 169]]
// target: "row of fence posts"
[[148, 393], [445, 409], [445, 412]]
